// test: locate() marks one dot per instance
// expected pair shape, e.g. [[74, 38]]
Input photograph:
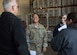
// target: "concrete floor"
[[50, 51]]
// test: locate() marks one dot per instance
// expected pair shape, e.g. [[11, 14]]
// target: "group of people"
[[13, 40], [65, 41], [65, 35]]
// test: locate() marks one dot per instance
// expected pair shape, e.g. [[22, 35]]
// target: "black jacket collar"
[[7, 14]]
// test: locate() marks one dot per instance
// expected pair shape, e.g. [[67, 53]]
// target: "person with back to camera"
[[12, 33], [65, 42]]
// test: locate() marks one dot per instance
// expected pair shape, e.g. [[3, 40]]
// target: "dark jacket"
[[55, 31], [12, 36], [66, 41]]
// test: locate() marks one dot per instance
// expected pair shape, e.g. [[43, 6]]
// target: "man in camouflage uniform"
[[36, 36]]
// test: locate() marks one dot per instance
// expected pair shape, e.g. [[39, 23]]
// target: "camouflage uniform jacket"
[[36, 38]]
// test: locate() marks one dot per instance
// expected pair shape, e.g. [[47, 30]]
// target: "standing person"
[[37, 36], [66, 40], [12, 35], [60, 26]]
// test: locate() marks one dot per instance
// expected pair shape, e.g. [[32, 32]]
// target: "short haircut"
[[8, 3], [34, 14], [72, 16]]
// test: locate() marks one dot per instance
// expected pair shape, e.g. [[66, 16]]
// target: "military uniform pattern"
[[36, 38]]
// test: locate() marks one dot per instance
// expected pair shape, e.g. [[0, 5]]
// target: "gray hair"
[[8, 3]]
